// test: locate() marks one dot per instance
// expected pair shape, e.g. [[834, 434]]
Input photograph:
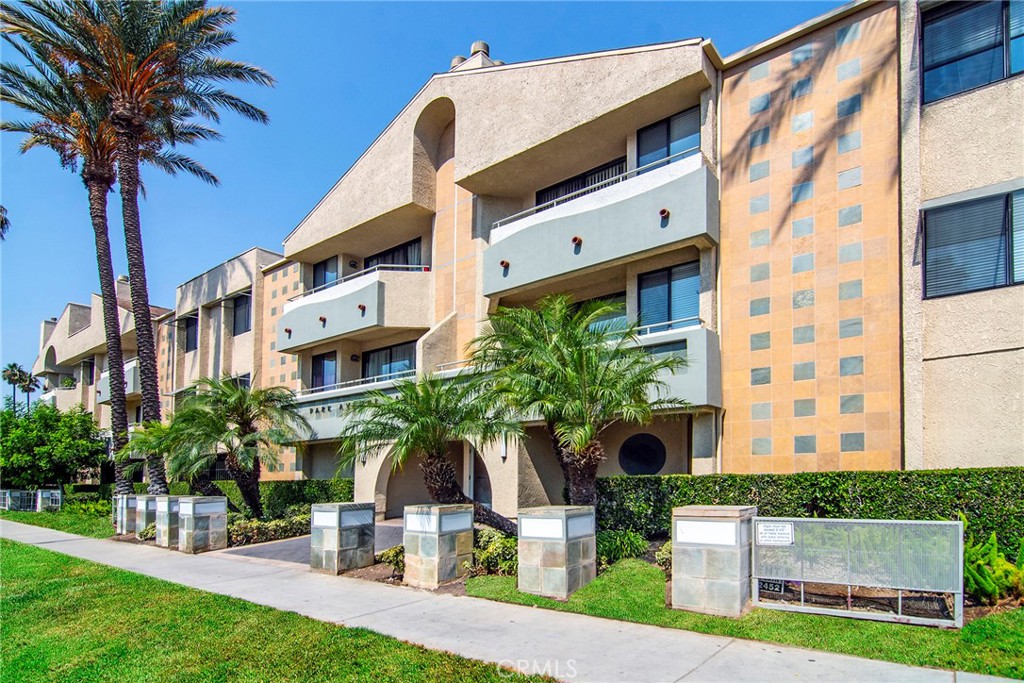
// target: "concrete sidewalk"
[[567, 646]]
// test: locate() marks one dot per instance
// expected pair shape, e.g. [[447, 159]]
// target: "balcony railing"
[[375, 379], [353, 276], [678, 324], [595, 187]]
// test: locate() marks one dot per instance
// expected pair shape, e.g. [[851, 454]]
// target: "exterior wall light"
[[353, 263], [664, 213], [354, 358]]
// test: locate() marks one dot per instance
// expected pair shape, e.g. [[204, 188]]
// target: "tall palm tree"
[[419, 421], [74, 124], [580, 371], [5, 222], [13, 375], [248, 426], [29, 384], [166, 441], [146, 59]]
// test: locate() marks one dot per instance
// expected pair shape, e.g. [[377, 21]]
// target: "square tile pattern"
[[557, 568], [712, 575], [199, 532], [436, 557], [336, 547]]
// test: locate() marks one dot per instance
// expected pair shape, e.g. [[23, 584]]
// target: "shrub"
[[102, 491], [993, 498], [280, 496], [394, 558], [99, 508], [615, 545], [495, 552], [176, 488], [149, 533], [988, 575], [664, 558], [248, 531]]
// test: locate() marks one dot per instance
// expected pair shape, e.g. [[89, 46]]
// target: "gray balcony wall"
[[132, 382], [700, 382], [616, 223], [393, 299]]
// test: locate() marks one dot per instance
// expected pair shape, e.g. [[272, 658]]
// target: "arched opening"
[[433, 146], [405, 486], [482, 492]]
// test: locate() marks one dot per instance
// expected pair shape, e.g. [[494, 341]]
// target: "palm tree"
[[419, 420], [13, 374], [70, 122], [580, 370], [29, 384], [5, 222], [248, 426], [165, 441]]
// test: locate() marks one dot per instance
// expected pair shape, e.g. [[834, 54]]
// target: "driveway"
[[388, 534]]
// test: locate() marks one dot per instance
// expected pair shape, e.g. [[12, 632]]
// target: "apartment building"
[[829, 225], [72, 362]]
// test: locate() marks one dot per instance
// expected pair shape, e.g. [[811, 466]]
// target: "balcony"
[[620, 219], [700, 381], [324, 407], [359, 306], [62, 398], [132, 382]]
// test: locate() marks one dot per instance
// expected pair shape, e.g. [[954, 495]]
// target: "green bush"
[[250, 531], [176, 488], [992, 498], [664, 558], [101, 491], [394, 558], [495, 553], [279, 496], [988, 575], [99, 508], [618, 544], [149, 533]]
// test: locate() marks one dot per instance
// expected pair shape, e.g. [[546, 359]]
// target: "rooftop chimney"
[[479, 57], [480, 47], [456, 60]]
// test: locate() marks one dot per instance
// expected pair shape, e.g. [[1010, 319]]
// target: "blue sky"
[[343, 71]]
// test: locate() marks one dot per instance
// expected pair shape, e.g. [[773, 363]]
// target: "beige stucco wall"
[[962, 354]]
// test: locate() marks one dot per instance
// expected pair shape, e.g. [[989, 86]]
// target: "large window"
[[390, 361], [967, 45], [581, 182], [191, 324], [676, 135], [613, 320], [242, 316], [670, 298], [974, 245], [407, 254], [325, 272], [325, 370]]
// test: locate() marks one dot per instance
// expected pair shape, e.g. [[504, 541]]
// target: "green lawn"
[[94, 526], [633, 590], [65, 619]]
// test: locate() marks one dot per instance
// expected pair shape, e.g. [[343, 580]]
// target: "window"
[[642, 454], [89, 371], [974, 245], [581, 182], [613, 320], [968, 45], [390, 360], [242, 381], [325, 272], [676, 135], [242, 318], [408, 254], [670, 296], [325, 370], [191, 333]]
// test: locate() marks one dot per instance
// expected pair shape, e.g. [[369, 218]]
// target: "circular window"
[[642, 454]]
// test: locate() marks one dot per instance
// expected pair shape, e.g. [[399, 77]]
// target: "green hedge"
[[177, 488], [101, 491], [992, 499], [278, 496], [248, 531]]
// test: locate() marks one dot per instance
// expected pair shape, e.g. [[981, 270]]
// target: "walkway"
[[296, 550], [568, 646]]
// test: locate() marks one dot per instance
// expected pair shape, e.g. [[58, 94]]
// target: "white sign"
[[775, 533], [356, 517], [540, 527], [705, 533], [420, 522], [324, 518]]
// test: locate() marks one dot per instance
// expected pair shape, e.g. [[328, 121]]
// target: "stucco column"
[[711, 559]]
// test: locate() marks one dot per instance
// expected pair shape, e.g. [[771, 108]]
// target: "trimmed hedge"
[[89, 491], [278, 496], [992, 498], [248, 531], [176, 488]]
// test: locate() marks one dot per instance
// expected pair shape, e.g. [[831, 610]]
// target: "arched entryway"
[[405, 486]]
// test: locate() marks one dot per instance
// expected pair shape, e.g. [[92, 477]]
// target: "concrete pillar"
[[167, 521], [342, 537], [557, 549], [202, 523], [145, 512], [438, 543], [124, 520], [711, 558]]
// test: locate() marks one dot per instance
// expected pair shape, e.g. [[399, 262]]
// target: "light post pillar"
[[145, 512], [557, 549], [711, 558], [341, 537], [202, 523], [124, 506], [167, 521], [438, 543]]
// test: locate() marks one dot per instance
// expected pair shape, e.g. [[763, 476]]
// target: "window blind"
[[966, 246]]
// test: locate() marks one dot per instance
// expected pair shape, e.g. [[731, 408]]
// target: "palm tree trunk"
[[248, 482], [98, 190], [583, 474], [561, 454], [128, 169], [204, 486], [443, 486]]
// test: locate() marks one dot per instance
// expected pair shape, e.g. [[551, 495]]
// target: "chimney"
[[480, 47], [479, 57], [123, 288], [456, 60]]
